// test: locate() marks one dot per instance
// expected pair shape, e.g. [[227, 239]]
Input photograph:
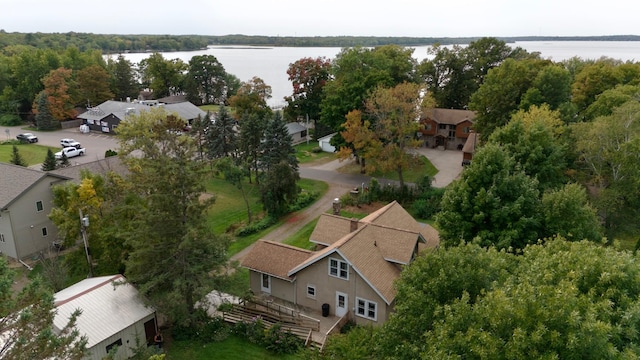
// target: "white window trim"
[[338, 268], [315, 291], [44, 231], [266, 289], [366, 309]]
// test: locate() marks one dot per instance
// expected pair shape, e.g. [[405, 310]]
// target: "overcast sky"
[[414, 18]]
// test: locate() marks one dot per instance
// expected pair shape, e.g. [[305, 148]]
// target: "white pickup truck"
[[69, 152]]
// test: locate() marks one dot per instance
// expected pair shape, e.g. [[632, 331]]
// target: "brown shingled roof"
[[274, 258], [15, 180], [450, 116]]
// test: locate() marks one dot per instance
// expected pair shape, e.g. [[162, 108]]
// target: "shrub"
[[316, 150], [10, 120], [280, 341], [252, 331], [205, 329], [304, 198], [255, 227], [109, 153]]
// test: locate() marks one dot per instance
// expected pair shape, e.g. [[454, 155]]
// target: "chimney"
[[336, 206], [354, 225]]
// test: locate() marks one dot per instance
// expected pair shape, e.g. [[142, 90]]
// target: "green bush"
[[304, 198], [255, 227], [206, 329], [10, 120], [109, 153], [316, 150], [280, 341]]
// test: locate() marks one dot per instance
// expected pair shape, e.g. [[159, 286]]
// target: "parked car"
[[70, 143], [27, 137], [69, 152]]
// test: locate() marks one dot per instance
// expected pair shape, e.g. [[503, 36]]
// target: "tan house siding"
[[327, 285], [27, 223], [279, 288]]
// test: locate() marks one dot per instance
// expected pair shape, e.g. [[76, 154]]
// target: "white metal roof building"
[[112, 315]]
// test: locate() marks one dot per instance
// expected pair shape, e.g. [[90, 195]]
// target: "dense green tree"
[[164, 77], [567, 213], [609, 148], [50, 162], [500, 94], [592, 80], [493, 202], [28, 67], [559, 292], [432, 282], [93, 85], [206, 80], [16, 158], [26, 323], [536, 140], [356, 72], [221, 137], [174, 253], [123, 82], [552, 86], [610, 99], [308, 77], [456, 72]]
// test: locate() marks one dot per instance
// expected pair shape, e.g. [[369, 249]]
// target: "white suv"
[[70, 142]]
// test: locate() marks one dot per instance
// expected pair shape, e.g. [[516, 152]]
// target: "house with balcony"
[[447, 129]]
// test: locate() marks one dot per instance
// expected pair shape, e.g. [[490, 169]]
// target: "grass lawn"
[[230, 349], [305, 154], [31, 153], [301, 238], [412, 175]]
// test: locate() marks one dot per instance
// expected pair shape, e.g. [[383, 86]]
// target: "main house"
[[353, 271], [106, 116], [446, 128]]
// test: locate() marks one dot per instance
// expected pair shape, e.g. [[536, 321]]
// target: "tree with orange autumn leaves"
[[382, 136], [57, 88]]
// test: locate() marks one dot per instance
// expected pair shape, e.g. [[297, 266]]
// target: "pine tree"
[[44, 118], [64, 161], [16, 158], [50, 162]]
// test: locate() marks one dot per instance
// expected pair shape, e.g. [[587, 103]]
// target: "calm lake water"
[[271, 63]]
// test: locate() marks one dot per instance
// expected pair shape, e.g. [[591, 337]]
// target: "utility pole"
[[307, 129], [84, 223]]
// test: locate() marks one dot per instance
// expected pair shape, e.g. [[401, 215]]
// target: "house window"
[[39, 206], [1, 237], [367, 309], [427, 127], [311, 291], [116, 343], [44, 231], [442, 126], [265, 283], [467, 129], [339, 268]]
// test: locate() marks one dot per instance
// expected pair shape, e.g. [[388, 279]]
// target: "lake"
[[271, 63]]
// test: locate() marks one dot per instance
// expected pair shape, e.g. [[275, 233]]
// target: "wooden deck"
[[312, 328]]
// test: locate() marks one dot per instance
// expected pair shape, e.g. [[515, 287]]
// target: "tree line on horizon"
[[120, 43]]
